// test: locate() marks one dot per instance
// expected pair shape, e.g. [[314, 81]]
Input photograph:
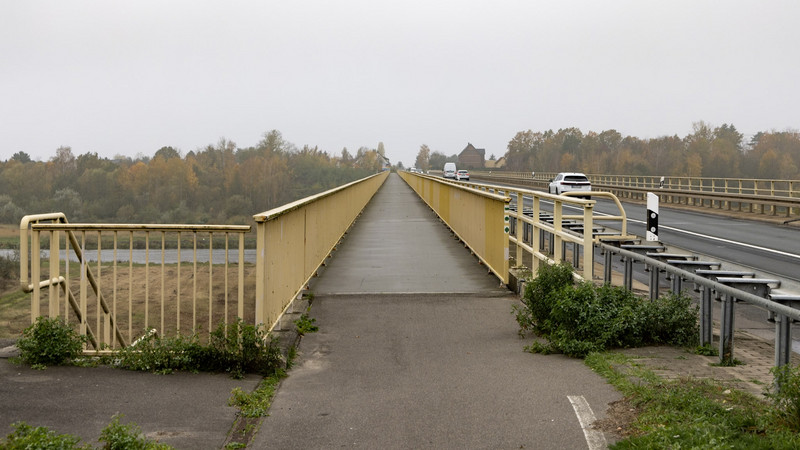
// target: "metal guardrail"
[[112, 320], [709, 288], [294, 240], [761, 196], [477, 217]]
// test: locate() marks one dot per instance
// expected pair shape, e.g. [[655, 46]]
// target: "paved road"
[[417, 348], [184, 410]]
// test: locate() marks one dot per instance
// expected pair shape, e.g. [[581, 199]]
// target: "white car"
[[462, 175], [570, 182]]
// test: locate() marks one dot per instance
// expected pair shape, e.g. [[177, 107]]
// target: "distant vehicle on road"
[[570, 182], [449, 170], [462, 175]]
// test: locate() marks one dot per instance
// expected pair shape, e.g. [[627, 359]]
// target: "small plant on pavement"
[[49, 342], [305, 325], [119, 436], [25, 436]]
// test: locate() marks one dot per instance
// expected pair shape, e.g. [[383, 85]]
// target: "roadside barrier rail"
[[709, 288], [294, 240], [479, 218], [118, 288], [761, 196]]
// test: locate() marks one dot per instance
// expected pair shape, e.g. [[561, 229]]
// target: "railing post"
[[705, 317], [783, 340], [588, 242], [536, 234], [52, 290], [558, 254], [654, 280], [520, 224], [261, 272], [35, 275], [628, 276], [726, 331]]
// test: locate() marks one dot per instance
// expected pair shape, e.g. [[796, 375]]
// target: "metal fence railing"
[[118, 282], [479, 218], [295, 239]]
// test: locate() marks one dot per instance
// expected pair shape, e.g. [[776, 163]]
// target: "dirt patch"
[[619, 417]]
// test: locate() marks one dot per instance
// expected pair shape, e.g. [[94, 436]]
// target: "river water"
[[139, 256]]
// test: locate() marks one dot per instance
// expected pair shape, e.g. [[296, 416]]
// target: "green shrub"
[[49, 342], [25, 436], [538, 297], [119, 436], [577, 320], [163, 355], [243, 349], [236, 349]]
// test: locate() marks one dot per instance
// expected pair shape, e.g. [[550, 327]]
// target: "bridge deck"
[[398, 245], [418, 348]]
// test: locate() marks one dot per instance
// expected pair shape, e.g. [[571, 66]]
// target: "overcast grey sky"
[[129, 77]]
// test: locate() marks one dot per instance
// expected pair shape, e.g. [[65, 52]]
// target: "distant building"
[[471, 157], [496, 163], [385, 163]]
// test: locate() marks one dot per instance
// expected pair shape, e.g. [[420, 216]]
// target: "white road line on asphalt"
[[594, 438], [713, 238]]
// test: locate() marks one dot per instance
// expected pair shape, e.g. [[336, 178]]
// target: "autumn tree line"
[[707, 152], [217, 184]]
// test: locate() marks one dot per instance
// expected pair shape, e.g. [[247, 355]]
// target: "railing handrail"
[[702, 281], [289, 207]]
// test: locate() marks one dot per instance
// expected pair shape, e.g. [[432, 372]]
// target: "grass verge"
[[686, 413]]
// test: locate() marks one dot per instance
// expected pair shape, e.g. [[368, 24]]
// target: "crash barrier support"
[[784, 315], [104, 271], [479, 218], [294, 240]]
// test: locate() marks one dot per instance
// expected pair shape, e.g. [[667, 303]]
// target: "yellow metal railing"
[[117, 288], [556, 223], [477, 217], [294, 240]]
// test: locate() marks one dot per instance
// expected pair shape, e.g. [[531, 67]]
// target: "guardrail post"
[[726, 331], [654, 280], [783, 340], [607, 267], [628, 277], [705, 317]]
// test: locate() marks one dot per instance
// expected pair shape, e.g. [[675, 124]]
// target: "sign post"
[[652, 217]]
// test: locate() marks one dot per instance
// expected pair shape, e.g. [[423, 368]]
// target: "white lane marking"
[[594, 438]]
